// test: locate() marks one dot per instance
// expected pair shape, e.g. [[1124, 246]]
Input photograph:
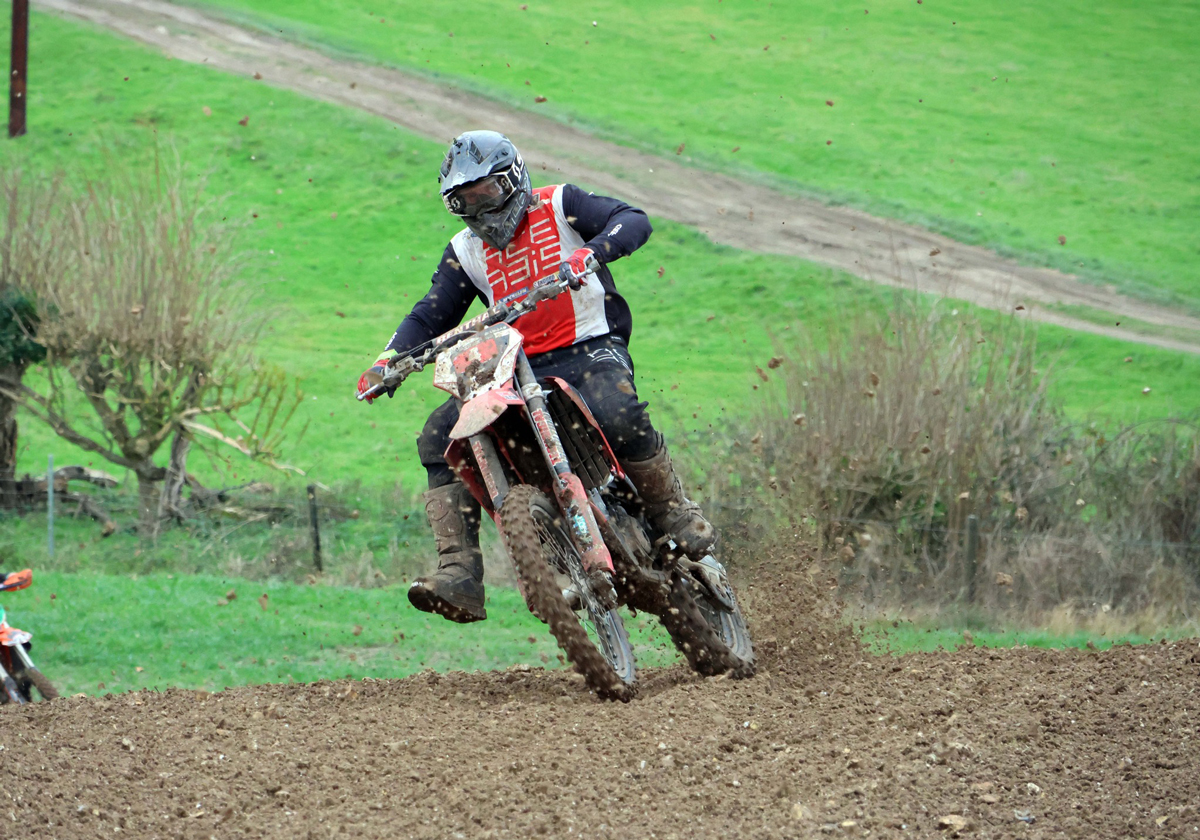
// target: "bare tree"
[[29, 230], [149, 338]]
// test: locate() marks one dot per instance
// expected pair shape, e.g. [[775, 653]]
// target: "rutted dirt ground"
[[729, 210], [825, 741]]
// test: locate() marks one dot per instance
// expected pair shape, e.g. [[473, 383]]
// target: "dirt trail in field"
[[728, 210], [825, 741]]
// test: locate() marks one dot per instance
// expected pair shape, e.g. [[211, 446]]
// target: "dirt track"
[[729, 210], [825, 741]]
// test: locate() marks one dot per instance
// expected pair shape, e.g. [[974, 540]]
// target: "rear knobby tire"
[[713, 641], [536, 539]]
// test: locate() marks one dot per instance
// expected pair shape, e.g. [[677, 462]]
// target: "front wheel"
[[31, 679], [595, 642]]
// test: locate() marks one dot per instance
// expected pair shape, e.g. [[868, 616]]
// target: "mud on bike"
[[20, 676], [534, 456]]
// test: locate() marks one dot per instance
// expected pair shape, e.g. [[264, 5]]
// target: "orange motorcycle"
[[21, 676]]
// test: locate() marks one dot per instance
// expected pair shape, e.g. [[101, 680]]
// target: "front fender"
[[482, 411]]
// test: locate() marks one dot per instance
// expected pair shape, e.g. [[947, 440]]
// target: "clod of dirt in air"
[[874, 377], [710, 35], [221, 602], [127, 744], [735, 148], [206, 111], [1146, 390], [800, 420], [244, 120], [937, 391], [935, 252], [1004, 579], [539, 99], [846, 553], [829, 102], [767, 47], [340, 314], [775, 362], [679, 149], [953, 822], [925, 450], [828, 142], [757, 438], [709, 318], [53, 596], [333, 215], [963, 496], [262, 600], [1128, 359], [524, 7], [357, 631], [762, 374], [139, 669], [1062, 240], [231, 595], [1019, 307], [257, 75], [1022, 514]]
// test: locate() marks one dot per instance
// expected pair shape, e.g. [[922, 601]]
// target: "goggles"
[[482, 196]]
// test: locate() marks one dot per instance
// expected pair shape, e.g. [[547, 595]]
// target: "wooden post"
[[20, 66], [972, 551], [316, 531], [50, 507]]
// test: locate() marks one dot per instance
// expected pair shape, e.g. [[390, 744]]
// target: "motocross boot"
[[672, 512], [455, 590]]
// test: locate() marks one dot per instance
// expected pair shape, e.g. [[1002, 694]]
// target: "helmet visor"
[[482, 196]]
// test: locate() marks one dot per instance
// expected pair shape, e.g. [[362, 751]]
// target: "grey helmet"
[[484, 182]]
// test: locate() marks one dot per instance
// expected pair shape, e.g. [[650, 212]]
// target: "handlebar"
[[399, 368]]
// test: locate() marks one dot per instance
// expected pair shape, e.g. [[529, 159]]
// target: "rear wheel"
[[594, 640], [714, 639]]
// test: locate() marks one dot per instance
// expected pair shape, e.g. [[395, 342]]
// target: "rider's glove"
[[373, 376], [576, 267]]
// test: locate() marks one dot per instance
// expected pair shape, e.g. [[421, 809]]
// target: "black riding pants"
[[601, 370]]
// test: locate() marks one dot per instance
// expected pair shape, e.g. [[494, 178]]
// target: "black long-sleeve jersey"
[[560, 220]]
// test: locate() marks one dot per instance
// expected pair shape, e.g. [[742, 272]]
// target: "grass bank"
[[343, 227], [1007, 126]]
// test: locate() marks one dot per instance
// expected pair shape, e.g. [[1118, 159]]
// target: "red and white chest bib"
[[540, 245]]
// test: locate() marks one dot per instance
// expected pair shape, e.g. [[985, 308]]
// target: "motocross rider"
[[515, 236]]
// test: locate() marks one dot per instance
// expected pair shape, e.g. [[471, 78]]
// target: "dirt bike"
[[534, 456], [19, 673]]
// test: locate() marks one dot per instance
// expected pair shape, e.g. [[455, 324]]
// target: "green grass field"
[[1004, 125], [343, 226], [165, 631]]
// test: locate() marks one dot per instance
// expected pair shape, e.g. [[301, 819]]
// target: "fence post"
[[316, 530], [972, 551], [50, 507], [19, 61]]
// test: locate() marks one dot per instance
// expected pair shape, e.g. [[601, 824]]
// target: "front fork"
[[10, 685], [568, 489]]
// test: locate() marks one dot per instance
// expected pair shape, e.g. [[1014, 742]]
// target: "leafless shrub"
[[882, 439], [149, 334]]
